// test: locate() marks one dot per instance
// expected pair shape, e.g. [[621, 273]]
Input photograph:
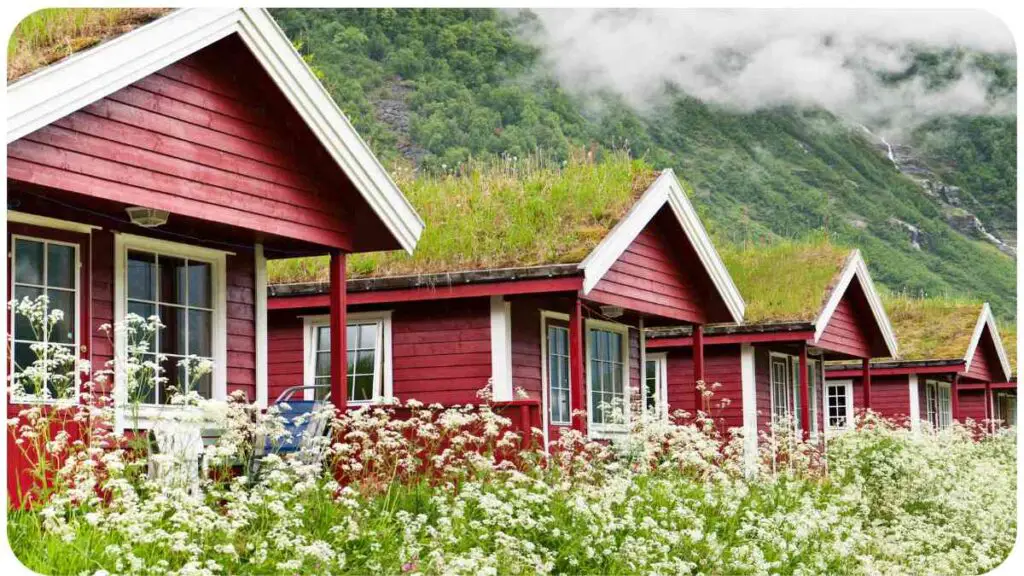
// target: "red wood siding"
[[972, 405], [526, 345], [852, 328], [241, 324], [721, 366], [285, 360], [659, 274], [207, 137], [985, 364], [890, 396]]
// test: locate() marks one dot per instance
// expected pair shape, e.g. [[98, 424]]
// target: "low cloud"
[[754, 59]]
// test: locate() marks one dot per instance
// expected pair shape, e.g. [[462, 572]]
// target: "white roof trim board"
[[666, 189], [58, 90], [986, 318], [857, 268]]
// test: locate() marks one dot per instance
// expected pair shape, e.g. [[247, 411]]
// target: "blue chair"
[[305, 422]]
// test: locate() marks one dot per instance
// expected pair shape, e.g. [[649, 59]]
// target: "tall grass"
[[50, 34]]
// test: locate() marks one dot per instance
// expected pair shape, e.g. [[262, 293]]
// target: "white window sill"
[[147, 415]]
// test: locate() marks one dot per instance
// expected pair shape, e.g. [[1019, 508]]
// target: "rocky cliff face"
[[956, 209]]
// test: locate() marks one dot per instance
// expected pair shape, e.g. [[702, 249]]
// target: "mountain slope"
[[436, 87]]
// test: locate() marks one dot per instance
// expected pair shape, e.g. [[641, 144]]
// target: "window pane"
[[200, 333], [172, 279], [60, 266], [24, 357], [145, 391], [141, 275], [350, 359], [22, 324], [144, 310], [362, 388], [321, 393], [204, 385], [323, 364], [596, 408], [365, 364], [323, 338], [175, 377], [351, 333], [172, 336], [199, 292], [367, 335], [62, 375], [63, 332], [28, 266]]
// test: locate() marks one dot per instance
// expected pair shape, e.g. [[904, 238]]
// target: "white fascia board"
[[857, 268], [56, 91], [986, 318], [666, 189]]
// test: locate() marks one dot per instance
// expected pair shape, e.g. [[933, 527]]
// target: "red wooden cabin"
[[210, 117], [953, 367], [565, 330], [772, 366]]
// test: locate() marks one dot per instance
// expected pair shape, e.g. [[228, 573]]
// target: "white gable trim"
[[986, 318], [666, 189], [56, 91], [856, 268]]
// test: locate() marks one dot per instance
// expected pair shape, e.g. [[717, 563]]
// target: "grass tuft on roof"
[[785, 280], [51, 34], [512, 213]]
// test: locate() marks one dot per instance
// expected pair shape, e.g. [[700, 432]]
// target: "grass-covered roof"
[[500, 216], [940, 328], [785, 280], [51, 34]]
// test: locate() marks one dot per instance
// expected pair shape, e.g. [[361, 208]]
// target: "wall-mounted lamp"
[[147, 217]]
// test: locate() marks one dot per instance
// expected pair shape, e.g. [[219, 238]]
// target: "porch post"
[[989, 411], [698, 367], [866, 379], [339, 356], [576, 383], [954, 391], [805, 395]]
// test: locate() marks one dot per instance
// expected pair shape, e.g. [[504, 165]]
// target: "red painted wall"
[[985, 364], [972, 405], [208, 137], [660, 274], [852, 329], [890, 396], [722, 366]]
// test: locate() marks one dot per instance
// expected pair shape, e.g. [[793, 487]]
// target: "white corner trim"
[[260, 299], [387, 380], [47, 222], [915, 403], [749, 396], [666, 189], [501, 349], [856, 268], [218, 260], [58, 90], [986, 318]]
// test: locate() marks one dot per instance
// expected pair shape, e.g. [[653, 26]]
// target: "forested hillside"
[[433, 88]]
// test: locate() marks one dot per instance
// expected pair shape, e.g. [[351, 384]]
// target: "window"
[[1005, 408], [45, 267], [813, 384], [938, 404], [367, 343], [782, 387], [655, 393], [606, 375], [557, 370], [178, 290], [186, 287], [838, 405]]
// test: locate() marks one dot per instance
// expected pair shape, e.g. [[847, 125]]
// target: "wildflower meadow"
[[413, 489]]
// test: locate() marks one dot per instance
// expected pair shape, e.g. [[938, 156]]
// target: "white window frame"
[[789, 387], [546, 315], [660, 360], [608, 430], [815, 366], [943, 410], [847, 386], [12, 313], [383, 380], [218, 280]]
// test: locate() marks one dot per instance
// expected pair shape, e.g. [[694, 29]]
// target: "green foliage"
[[468, 87]]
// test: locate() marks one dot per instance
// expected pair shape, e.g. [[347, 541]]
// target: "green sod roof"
[[940, 328], [500, 216], [48, 35], [785, 280]]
